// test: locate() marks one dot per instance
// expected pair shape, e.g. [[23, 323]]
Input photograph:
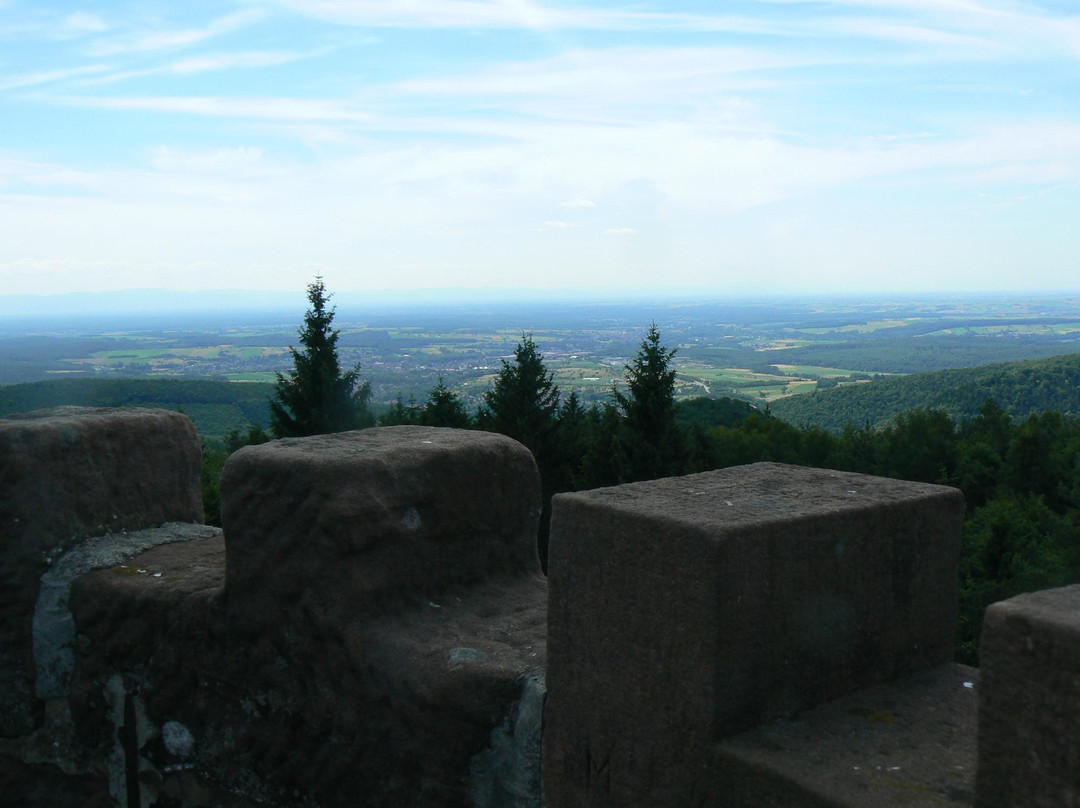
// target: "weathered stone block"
[[390, 709], [1029, 702], [908, 743], [70, 473], [688, 609], [358, 520]]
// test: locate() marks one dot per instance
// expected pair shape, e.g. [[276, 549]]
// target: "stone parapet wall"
[[364, 520], [372, 629], [1029, 705], [369, 629], [67, 474], [689, 609]]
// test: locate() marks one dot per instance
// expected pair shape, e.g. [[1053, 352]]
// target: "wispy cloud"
[[627, 70], [480, 118], [167, 40], [274, 109], [509, 14], [50, 76], [207, 63]]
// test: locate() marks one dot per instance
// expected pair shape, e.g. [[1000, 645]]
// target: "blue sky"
[[749, 146]]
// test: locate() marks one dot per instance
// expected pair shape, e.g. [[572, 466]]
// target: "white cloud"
[[577, 203], [50, 76], [204, 64], [503, 14], [166, 40], [626, 71], [215, 161], [224, 61], [84, 22], [620, 231], [279, 109]]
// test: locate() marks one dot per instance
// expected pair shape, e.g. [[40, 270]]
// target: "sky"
[[749, 146]]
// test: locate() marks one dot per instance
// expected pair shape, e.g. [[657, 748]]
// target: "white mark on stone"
[[411, 520], [468, 655], [433, 604], [178, 739], [969, 684]]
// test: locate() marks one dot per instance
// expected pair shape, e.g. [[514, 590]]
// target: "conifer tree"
[[652, 442], [444, 408], [317, 397], [523, 403]]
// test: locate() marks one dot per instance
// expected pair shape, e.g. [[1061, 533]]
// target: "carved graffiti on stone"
[[597, 772]]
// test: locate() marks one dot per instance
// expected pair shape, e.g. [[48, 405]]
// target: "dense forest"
[[1019, 388]]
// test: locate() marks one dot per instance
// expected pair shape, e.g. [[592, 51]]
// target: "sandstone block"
[[415, 707], [358, 520], [1029, 702], [67, 474], [689, 609]]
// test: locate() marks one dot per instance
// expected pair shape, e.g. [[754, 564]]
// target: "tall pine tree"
[[651, 443], [317, 397], [523, 403]]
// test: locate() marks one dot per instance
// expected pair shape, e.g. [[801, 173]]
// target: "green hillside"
[[215, 407], [1019, 388]]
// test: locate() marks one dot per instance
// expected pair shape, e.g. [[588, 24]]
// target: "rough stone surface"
[[689, 609], [1029, 704], [168, 692], [350, 523], [507, 773], [67, 474], [54, 628], [373, 712], [903, 744], [76, 737]]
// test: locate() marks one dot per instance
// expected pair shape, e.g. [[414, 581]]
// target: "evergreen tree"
[[317, 397], [400, 413], [523, 403], [444, 408], [652, 443], [600, 463]]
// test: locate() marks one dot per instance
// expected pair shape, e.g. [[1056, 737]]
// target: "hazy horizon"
[[289, 304], [794, 147]]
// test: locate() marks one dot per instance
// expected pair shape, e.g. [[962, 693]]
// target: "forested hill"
[[215, 407], [1019, 388]]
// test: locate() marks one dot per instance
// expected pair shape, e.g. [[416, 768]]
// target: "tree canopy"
[[317, 396]]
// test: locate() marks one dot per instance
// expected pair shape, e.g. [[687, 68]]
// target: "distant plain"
[[757, 350]]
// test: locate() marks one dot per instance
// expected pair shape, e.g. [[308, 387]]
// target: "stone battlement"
[[371, 628]]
